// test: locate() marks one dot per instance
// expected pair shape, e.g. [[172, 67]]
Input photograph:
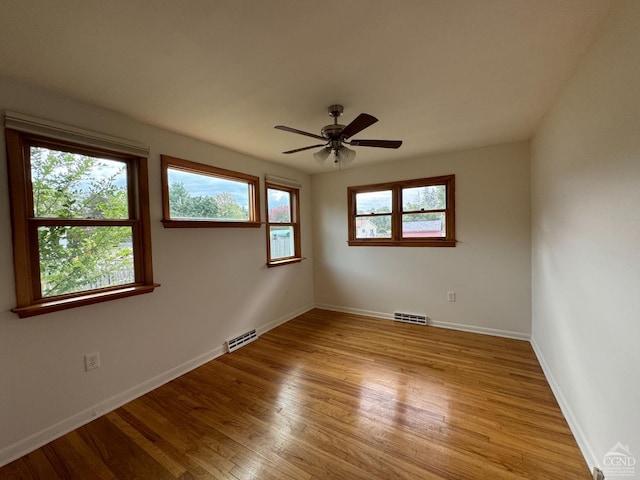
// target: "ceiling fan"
[[336, 136]]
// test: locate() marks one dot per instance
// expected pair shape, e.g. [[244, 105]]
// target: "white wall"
[[214, 286], [580, 283], [489, 269], [586, 242]]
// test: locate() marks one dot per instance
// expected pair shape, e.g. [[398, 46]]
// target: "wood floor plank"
[[339, 424], [179, 441], [113, 446], [85, 460], [334, 396], [43, 464]]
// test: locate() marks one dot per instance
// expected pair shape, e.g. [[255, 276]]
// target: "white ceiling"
[[439, 74]]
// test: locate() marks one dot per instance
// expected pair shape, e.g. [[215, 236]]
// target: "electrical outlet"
[[91, 361], [286, 292], [451, 296], [597, 474]]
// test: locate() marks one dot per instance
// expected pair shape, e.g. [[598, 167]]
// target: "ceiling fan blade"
[[361, 122], [305, 148], [300, 132], [376, 143]]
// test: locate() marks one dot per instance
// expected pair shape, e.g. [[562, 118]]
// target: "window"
[[283, 225], [418, 213], [198, 195], [80, 218]]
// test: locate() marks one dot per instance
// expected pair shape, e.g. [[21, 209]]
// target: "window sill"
[[286, 261], [208, 224], [49, 306], [402, 243]]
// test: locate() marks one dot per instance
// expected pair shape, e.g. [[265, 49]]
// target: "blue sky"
[[197, 185], [203, 185]]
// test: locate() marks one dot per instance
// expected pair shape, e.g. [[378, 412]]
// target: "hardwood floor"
[[334, 396]]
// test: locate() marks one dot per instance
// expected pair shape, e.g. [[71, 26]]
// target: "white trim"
[[451, 326], [284, 319], [481, 330], [355, 311], [59, 131], [48, 434], [574, 426], [282, 181]]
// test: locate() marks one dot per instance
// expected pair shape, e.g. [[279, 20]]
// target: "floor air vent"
[[410, 318], [242, 340]]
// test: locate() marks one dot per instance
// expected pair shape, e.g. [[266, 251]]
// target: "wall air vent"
[[240, 341], [410, 318]]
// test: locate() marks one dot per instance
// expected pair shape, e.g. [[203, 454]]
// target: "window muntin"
[[80, 223], [199, 195], [409, 213], [283, 225]]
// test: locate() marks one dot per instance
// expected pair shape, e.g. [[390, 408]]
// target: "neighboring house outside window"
[[417, 213], [429, 228], [367, 228]]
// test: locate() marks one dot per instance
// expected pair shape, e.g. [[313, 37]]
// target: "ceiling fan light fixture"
[[343, 157], [321, 155]]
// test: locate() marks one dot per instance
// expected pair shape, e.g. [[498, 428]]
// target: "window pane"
[[279, 205], [77, 259], [71, 185], [373, 227], [373, 202], [282, 242], [195, 196], [424, 225], [432, 197]]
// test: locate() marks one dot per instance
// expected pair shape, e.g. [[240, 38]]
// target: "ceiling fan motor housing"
[[332, 131], [335, 111]]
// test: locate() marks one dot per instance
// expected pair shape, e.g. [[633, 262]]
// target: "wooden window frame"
[[294, 205], [252, 181], [25, 225], [396, 239]]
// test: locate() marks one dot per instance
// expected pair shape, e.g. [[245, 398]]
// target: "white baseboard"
[[574, 426], [452, 326], [481, 330], [41, 438], [355, 311], [284, 319]]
